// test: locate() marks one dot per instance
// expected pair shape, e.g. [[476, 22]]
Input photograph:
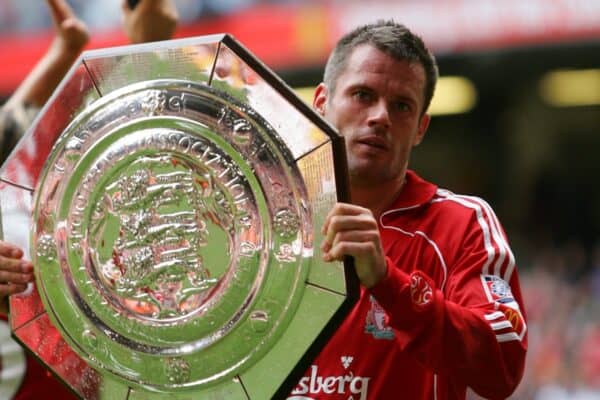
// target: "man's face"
[[377, 106]]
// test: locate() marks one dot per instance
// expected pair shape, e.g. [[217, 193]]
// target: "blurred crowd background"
[[517, 121]]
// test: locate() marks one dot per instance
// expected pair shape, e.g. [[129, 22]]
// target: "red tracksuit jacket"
[[449, 314]]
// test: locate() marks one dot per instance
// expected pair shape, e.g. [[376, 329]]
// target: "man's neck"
[[379, 197]]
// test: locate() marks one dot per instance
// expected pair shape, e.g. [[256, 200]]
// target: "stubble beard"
[[365, 176]]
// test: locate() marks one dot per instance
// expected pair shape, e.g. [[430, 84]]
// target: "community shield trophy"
[[171, 197]]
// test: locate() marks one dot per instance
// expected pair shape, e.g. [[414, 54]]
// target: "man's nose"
[[379, 114]]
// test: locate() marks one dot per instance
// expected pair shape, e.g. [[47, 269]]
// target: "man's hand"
[[351, 230], [71, 36], [71, 33], [15, 273], [150, 20]]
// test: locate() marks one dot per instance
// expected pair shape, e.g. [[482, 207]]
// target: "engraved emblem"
[[242, 131], [154, 102], [156, 265], [285, 253], [286, 223], [175, 103], [241, 128], [177, 370], [46, 247]]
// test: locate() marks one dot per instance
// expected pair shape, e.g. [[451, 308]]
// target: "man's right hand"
[[351, 230], [71, 33], [150, 20], [15, 273]]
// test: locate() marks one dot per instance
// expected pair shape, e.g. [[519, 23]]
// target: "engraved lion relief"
[[159, 216]]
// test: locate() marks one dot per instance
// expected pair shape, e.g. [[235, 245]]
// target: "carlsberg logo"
[[315, 384]]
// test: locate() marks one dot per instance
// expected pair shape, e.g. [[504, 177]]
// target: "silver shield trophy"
[[173, 211]]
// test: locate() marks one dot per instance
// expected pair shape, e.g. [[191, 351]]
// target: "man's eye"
[[362, 95], [401, 106]]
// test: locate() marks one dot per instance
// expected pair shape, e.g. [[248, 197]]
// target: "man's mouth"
[[373, 141]]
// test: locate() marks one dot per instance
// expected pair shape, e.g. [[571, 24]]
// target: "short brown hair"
[[394, 39]]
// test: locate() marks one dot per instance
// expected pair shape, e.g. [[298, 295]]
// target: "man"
[[440, 307]]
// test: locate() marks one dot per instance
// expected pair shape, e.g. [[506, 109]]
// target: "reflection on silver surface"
[[152, 263], [173, 224], [156, 209]]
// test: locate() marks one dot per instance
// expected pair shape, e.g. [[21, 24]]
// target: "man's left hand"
[[351, 230]]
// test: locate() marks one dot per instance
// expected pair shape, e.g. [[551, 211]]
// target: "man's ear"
[[320, 99], [423, 125]]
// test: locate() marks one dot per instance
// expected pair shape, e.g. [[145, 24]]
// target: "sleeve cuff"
[[406, 298]]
